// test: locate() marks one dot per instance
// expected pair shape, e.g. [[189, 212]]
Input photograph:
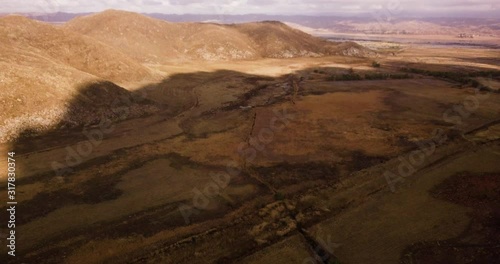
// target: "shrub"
[[331, 78], [279, 196], [375, 64], [352, 77], [345, 77], [401, 76], [377, 76]]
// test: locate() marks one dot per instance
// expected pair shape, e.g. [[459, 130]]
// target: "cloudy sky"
[[308, 7]]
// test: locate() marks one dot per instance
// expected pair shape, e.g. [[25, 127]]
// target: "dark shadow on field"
[[106, 101], [104, 104], [479, 241]]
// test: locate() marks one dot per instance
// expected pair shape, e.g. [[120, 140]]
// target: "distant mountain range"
[[368, 23]]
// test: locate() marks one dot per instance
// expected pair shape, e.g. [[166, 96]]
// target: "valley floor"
[[311, 160]]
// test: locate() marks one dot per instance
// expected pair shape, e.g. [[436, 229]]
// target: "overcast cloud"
[[296, 7]]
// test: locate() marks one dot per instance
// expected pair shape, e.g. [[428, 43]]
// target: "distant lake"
[[365, 39]]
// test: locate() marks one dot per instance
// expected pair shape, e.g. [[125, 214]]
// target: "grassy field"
[[265, 153]]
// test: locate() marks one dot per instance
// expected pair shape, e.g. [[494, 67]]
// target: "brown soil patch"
[[479, 243]]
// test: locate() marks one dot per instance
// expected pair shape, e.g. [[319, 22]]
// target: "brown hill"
[[43, 67], [68, 48], [138, 36], [151, 40], [276, 40], [212, 42]]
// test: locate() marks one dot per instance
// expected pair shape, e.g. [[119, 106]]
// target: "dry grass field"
[[262, 160]]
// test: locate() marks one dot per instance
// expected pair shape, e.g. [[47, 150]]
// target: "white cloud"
[[245, 6]]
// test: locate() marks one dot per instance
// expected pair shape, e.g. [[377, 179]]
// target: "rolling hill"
[[156, 41], [71, 49], [42, 67]]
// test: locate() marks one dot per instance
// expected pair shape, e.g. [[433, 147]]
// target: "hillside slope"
[[156, 41], [276, 40], [43, 67], [71, 49]]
